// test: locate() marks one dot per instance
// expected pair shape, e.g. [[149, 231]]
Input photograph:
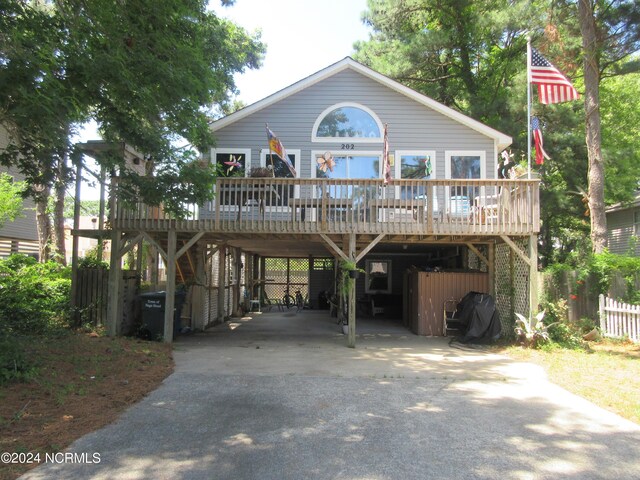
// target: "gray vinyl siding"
[[621, 230], [23, 228], [412, 126]]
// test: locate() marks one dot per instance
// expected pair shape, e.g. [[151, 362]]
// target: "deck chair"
[[452, 324]]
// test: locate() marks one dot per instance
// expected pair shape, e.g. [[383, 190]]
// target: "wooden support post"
[[74, 248], [351, 340], [237, 256], [170, 292], [198, 290], [103, 176], [491, 268], [533, 276], [222, 280], [115, 276]]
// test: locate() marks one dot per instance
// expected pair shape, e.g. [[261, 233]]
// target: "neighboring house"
[[86, 245], [444, 208], [623, 227], [20, 235]]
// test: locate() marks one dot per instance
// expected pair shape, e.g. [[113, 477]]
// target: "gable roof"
[[625, 205], [502, 140]]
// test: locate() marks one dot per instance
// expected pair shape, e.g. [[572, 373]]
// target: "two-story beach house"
[[444, 212]]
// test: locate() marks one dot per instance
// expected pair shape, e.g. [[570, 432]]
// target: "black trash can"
[[152, 306]]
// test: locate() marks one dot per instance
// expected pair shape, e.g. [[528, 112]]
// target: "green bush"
[[34, 297], [14, 365]]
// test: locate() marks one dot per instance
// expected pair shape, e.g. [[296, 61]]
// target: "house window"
[[636, 223], [359, 165], [378, 276], [415, 166], [464, 165], [338, 165], [272, 161], [232, 162], [347, 122]]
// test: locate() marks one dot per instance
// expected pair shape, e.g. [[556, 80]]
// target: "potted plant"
[[349, 273]]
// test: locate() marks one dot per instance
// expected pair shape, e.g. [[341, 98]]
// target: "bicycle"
[[289, 300]]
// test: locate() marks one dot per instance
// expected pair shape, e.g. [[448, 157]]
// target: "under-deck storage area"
[[426, 293]]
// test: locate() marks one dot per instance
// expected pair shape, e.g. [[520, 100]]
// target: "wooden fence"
[[92, 293], [619, 319]]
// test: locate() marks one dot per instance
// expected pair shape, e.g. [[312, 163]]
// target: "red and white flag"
[[539, 143], [553, 86]]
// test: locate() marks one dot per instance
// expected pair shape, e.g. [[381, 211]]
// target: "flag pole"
[[529, 107], [273, 169]]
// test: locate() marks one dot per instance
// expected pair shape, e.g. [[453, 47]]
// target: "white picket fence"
[[619, 319]]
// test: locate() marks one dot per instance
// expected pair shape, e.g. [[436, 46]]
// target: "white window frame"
[[344, 153], [346, 140], [245, 151], [636, 223], [397, 159], [295, 152], [465, 153], [367, 272]]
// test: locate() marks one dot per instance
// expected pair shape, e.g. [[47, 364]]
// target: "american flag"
[[553, 86], [385, 157], [539, 143]]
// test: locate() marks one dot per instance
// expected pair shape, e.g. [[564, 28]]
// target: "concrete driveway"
[[279, 396]]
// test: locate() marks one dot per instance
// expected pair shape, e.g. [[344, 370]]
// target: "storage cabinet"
[[426, 292]]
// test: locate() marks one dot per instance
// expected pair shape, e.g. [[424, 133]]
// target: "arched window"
[[347, 121]]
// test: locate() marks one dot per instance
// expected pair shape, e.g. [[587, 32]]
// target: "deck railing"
[[423, 207]]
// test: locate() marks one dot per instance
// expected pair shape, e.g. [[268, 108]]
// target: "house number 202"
[[348, 146]]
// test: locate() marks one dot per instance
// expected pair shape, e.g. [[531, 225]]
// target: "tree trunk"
[[58, 218], [43, 222], [592, 119]]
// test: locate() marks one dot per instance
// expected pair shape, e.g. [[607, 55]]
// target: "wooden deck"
[[331, 206]]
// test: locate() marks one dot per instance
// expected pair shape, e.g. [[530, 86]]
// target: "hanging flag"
[[553, 86], [539, 143], [386, 165], [276, 147]]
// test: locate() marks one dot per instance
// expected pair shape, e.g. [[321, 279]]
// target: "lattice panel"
[[512, 285], [286, 276], [503, 287], [474, 262], [521, 281]]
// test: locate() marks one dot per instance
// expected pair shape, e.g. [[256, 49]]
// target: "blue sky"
[[302, 37]]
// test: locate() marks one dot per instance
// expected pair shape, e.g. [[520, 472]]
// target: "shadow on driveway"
[[279, 396]]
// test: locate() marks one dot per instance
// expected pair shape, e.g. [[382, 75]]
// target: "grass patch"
[[79, 383], [608, 374]]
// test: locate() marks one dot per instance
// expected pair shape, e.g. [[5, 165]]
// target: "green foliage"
[[471, 57], [149, 74], [531, 332], [91, 260], [34, 297], [605, 265], [10, 198], [87, 207], [14, 365], [346, 280]]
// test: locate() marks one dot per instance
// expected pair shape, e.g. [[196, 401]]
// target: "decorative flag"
[[385, 157], [537, 138], [276, 147], [553, 86]]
